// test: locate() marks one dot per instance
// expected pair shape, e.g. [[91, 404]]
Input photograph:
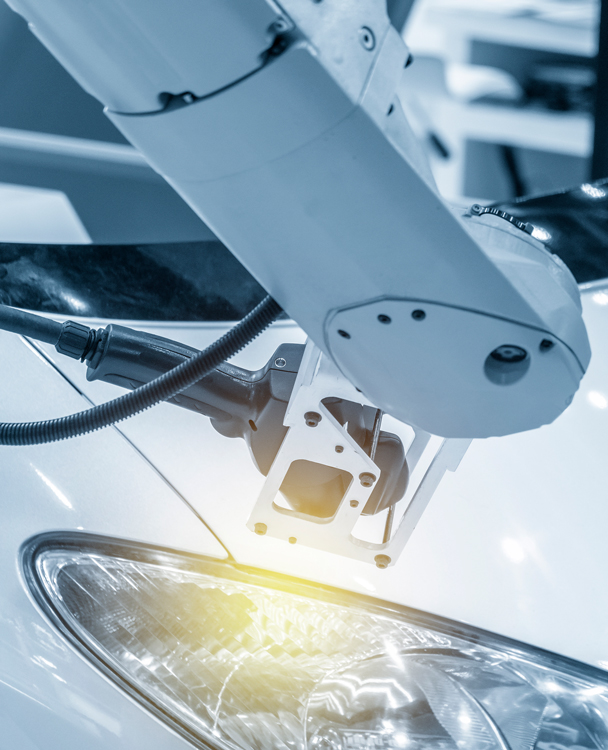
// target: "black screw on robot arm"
[[80, 342]]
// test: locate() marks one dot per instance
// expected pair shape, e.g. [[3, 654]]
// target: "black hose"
[[160, 389], [26, 324]]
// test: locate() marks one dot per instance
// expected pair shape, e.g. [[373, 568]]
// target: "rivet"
[[339, 449], [354, 503], [292, 540], [260, 528], [419, 315], [367, 479], [385, 319], [280, 362], [312, 418], [382, 561], [344, 334], [546, 344]]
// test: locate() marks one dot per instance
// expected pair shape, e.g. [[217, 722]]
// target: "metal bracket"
[[326, 441]]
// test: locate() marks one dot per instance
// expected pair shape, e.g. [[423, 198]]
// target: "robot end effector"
[[253, 406]]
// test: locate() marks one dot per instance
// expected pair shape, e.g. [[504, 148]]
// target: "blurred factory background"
[[55, 137], [502, 93]]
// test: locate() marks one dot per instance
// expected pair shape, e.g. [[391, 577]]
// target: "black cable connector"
[[76, 341], [71, 337]]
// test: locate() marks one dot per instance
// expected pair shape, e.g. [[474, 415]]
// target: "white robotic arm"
[[280, 125]]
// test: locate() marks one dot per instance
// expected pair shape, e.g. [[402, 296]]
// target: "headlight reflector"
[[234, 658]]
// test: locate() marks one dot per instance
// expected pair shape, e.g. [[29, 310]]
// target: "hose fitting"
[[75, 340]]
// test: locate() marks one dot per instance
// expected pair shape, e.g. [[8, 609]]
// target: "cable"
[[70, 338], [166, 386], [26, 324]]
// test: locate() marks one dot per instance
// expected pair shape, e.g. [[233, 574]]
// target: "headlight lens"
[[233, 658]]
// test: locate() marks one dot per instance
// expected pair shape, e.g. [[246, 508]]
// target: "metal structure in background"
[[599, 162], [54, 135]]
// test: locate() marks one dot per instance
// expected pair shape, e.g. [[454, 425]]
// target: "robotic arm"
[[279, 124]]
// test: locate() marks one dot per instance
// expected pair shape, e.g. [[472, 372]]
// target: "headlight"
[[235, 658]]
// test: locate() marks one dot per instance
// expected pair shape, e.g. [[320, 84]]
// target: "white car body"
[[513, 542]]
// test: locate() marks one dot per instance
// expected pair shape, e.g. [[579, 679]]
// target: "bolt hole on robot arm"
[[280, 125]]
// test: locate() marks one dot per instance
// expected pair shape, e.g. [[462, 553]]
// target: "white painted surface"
[[33, 215], [49, 696]]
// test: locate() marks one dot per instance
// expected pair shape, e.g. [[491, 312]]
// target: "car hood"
[[513, 542]]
